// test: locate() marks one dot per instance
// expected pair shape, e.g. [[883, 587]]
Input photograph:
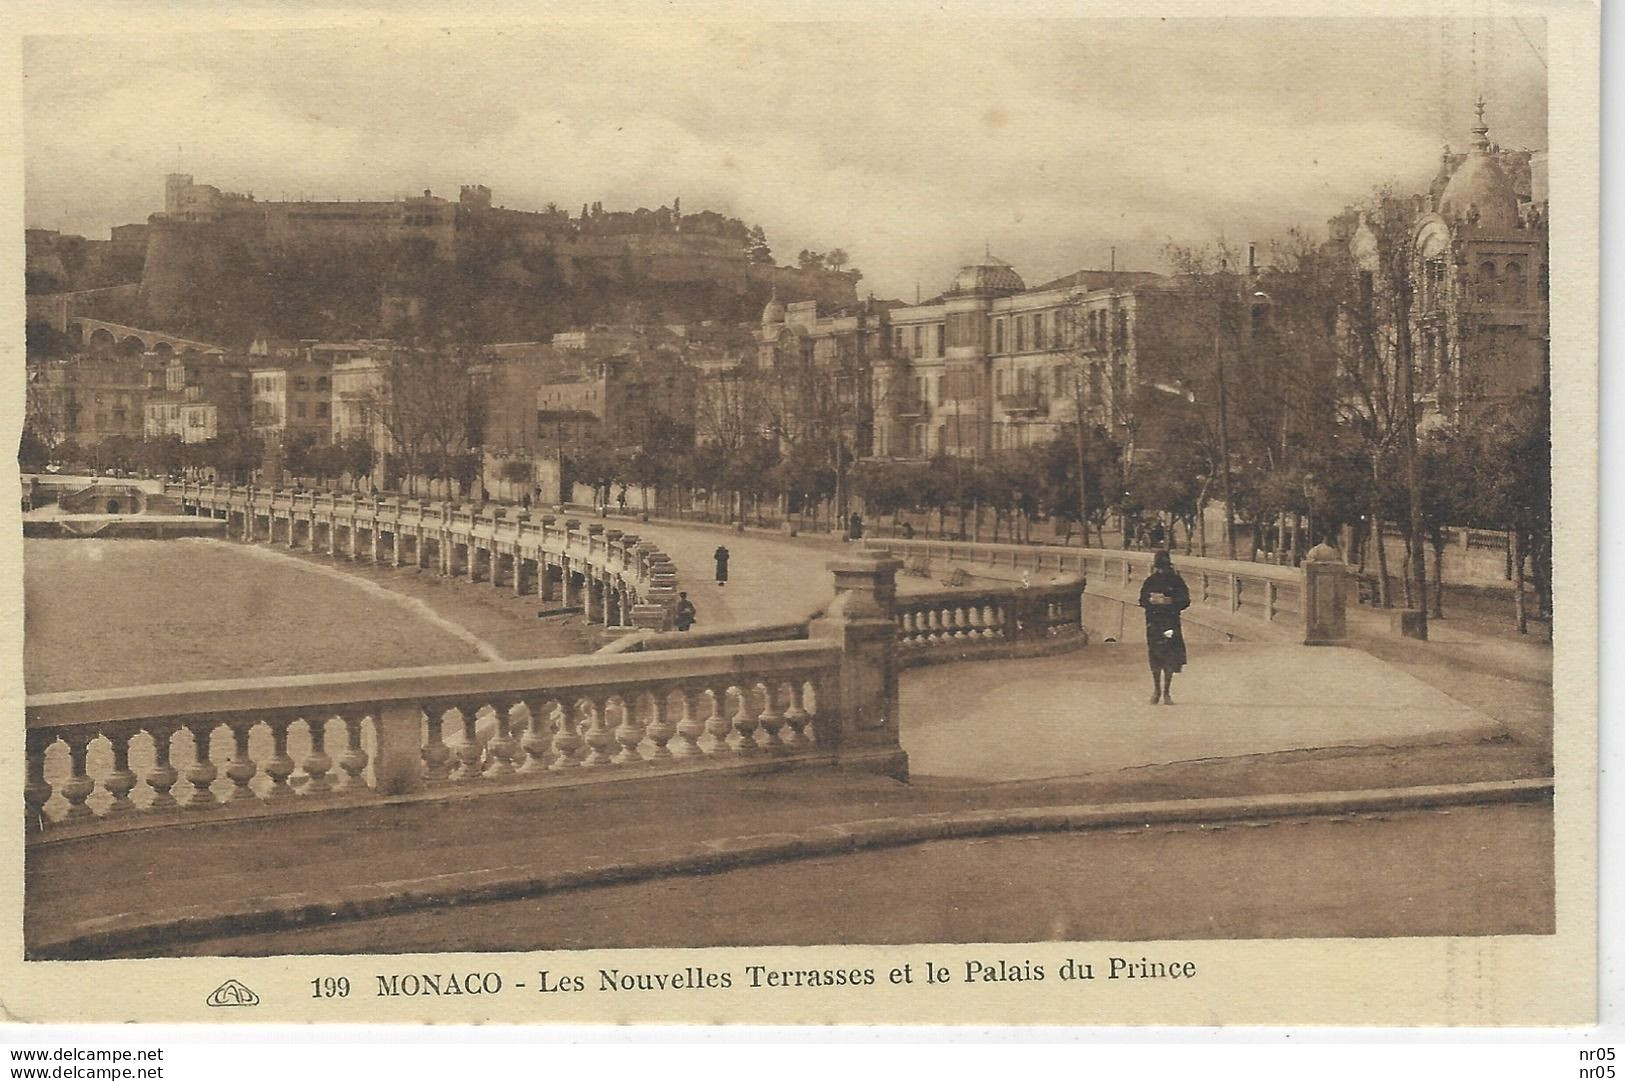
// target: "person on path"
[[721, 556], [1163, 596], [621, 499], [686, 614], [854, 527]]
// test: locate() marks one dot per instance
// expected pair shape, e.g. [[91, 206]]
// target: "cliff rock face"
[[430, 267]]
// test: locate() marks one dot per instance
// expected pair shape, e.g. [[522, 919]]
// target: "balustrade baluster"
[[796, 716], [719, 725], [743, 741], [538, 738], [436, 755], [241, 768], [317, 762], [770, 720], [567, 740], [280, 766], [629, 733], [354, 759], [660, 729], [79, 785], [163, 776], [600, 737], [471, 766], [202, 772], [122, 780], [37, 790], [503, 745], [689, 729]]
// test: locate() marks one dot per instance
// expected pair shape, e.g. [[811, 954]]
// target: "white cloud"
[[908, 144]]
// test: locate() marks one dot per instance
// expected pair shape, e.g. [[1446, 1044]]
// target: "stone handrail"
[[1258, 591], [113, 759], [619, 579]]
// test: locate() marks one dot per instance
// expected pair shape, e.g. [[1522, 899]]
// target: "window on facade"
[[1021, 334], [1120, 333], [1486, 281], [1038, 331], [941, 339], [998, 382], [1513, 284], [998, 335], [301, 383], [299, 410], [321, 409], [919, 341], [321, 382]]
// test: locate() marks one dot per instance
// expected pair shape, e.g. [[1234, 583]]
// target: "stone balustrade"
[[126, 758], [1234, 592], [619, 581], [962, 623]]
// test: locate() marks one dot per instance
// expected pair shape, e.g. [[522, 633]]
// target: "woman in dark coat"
[[721, 555], [1163, 596]]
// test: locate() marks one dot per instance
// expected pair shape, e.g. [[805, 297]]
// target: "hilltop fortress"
[[216, 258]]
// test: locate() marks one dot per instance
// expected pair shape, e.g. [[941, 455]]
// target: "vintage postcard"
[[1005, 514]]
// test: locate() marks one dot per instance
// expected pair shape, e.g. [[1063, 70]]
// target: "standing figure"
[[1163, 596], [686, 614], [721, 555]]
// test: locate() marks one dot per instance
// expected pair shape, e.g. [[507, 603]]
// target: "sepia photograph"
[[607, 485]]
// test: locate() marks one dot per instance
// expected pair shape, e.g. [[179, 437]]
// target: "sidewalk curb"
[[131, 932]]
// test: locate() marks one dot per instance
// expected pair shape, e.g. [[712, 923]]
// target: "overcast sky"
[[909, 144]]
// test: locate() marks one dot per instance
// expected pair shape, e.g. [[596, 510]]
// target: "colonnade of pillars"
[[601, 599]]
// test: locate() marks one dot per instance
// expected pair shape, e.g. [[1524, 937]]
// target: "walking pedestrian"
[[1163, 596], [721, 556], [686, 614]]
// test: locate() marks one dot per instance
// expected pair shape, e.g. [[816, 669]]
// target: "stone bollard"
[[862, 729], [1325, 597]]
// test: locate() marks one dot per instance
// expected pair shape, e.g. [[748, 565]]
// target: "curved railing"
[[645, 578], [1250, 591]]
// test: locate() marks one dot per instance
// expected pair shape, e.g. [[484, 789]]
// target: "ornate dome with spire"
[[773, 314], [1480, 187], [991, 275]]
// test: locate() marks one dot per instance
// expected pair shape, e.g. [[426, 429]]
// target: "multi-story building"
[[87, 398], [991, 365], [204, 397], [360, 401], [1475, 252], [293, 398], [629, 400]]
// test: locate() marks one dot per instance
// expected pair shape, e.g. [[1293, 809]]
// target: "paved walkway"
[[772, 578], [1088, 711]]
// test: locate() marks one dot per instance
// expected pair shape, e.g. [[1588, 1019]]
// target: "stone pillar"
[[862, 727], [546, 588], [571, 592], [1325, 596], [398, 767], [518, 574]]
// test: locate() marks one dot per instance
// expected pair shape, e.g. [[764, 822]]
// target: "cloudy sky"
[[910, 144]]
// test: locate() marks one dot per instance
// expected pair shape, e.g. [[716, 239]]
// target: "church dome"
[[992, 275], [774, 312], [1481, 186]]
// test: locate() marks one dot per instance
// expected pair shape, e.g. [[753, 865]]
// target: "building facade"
[[1476, 256]]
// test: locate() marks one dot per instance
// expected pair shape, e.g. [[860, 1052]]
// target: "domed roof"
[[774, 312], [991, 275], [1481, 186]]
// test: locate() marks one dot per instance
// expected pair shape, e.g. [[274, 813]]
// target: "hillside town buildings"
[[989, 365]]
